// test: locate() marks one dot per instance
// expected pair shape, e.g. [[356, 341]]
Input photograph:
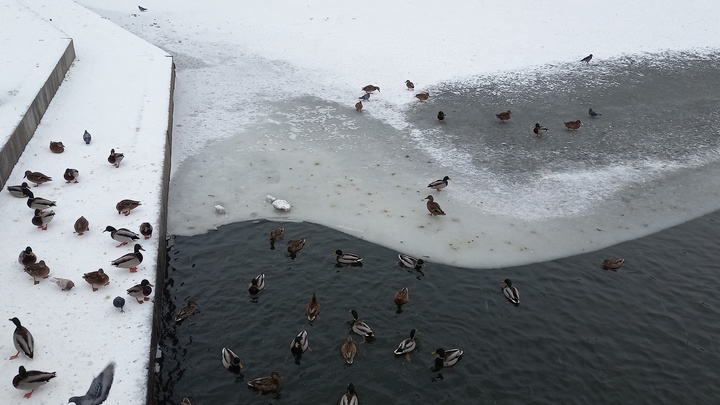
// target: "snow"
[[118, 90]]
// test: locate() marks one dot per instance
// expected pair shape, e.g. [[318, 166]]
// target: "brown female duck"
[[57, 147], [96, 279], [422, 96], [36, 177], [504, 116], [38, 270], [433, 207], [81, 225], [125, 206], [574, 125]]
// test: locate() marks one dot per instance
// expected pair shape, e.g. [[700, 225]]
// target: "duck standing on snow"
[[504, 116], [38, 203], [38, 270], [146, 230], [433, 207], [439, 184], [81, 225], [36, 177], [401, 298], [349, 259], [41, 219], [539, 130], [99, 388], [71, 175], [27, 256], [97, 279], [410, 85], [350, 397], [574, 125], [31, 380], [267, 384], [115, 158], [231, 361], [257, 284], [441, 116], [125, 206], [406, 346], [358, 106], [313, 309], [130, 260], [361, 328], [370, 88], [122, 235], [23, 340], [422, 96], [511, 293], [20, 191], [349, 350], [57, 147], [142, 290]]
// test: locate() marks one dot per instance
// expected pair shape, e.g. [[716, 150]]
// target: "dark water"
[[646, 334]]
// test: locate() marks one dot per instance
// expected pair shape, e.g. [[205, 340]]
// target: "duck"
[[539, 130], [407, 345], [23, 340], [146, 230], [433, 207], [130, 260], [27, 256], [300, 344], [41, 219], [185, 312], [99, 388], [410, 262], [410, 85], [97, 279], [276, 235], [122, 235], [422, 96], [125, 206], [87, 137], [446, 358], [440, 184], [441, 116], [57, 147], [504, 116], [313, 309], [36, 177], [71, 175], [230, 360], [361, 328], [587, 59], [370, 88], [511, 293], [81, 225], [38, 203], [20, 191], [186, 401], [30, 380], [574, 125], [257, 284], [38, 270], [294, 246], [358, 106], [350, 259], [401, 298], [593, 113], [63, 283], [142, 290], [613, 263], [267, 384], [350, 397], [115, 158], [349, 350]]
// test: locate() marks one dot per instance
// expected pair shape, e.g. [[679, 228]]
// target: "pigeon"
[[99, 388], [87, 137], [593, 113], [141, 8], [586, 59], [365, 97], [64, 283], [119, 302], [441, 116]]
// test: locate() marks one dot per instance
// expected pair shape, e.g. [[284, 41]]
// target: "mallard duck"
[[41, 219], [349, 350], [96, 279], [361, 328], [122, 235], [267, 384], [186, 401], [37, 270], [294, 246], [539, 130], [125, 206], [119, 302], [115, 158], [441, 116], [574, 125], [313, 309], [27, 256], [439, 184], [276, 235], [185, 312], [257, 284], [146, 230], [433, 207], [142, 290], [422, 96], [446, 358], [504, 116], [511, 293], [23, 340], [130, 260], [71, 175], [36, 177], [406, 346], [20, 191], [87, 137], [410, 85], [99, 388], [230, 360], [613, 263], [57, 147], [350, 397], [401, 298], [358, 106], [38, 203], [593, 113], [370, 88], [586, 59], [81, 225], [63, 283], [350, 259], [30, 380], [410, 262], [300, 344]]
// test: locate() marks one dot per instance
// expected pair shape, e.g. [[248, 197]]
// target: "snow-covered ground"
[[118, 89]]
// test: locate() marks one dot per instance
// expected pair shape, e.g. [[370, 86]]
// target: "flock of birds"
[[43, 214]]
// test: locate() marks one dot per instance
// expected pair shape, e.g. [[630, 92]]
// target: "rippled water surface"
[[645, 334]]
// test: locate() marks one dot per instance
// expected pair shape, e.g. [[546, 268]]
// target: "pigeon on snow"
[[99, 389]]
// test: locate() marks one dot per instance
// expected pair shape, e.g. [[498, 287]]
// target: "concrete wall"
[[11, 151]]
